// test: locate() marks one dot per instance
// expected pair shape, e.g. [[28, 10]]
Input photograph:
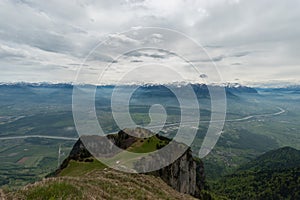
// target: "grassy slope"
[[93, 180], [76, 168], [100, 184], [147, 145]]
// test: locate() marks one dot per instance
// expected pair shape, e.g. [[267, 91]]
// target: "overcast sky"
[[251, 42]]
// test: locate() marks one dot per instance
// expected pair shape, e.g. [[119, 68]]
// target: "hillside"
[[82, 176], [185, 174], [279, 159], [273, 175], [100, 184]]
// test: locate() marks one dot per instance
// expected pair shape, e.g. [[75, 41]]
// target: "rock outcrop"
[[185, 174]]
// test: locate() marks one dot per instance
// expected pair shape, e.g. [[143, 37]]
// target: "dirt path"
[[2, 195]]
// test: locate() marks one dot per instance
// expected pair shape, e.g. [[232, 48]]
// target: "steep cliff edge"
[[185, 174]]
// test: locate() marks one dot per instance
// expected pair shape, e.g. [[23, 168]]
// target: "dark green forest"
[[273, 175]]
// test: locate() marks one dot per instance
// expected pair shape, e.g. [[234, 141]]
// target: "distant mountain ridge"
[[203, 88], [229, 85]]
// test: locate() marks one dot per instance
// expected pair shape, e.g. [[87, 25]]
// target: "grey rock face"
[[185, 174]]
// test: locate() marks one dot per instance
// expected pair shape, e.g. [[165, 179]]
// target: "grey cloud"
[[78, 64], [4, 54], [155, 56], [133, 54], [136, 61], [261, 22], [203, 76], [212, 46], [240, 54], [214, 59], [100, 57], [161, 55], [236, 64], [221, 57], [230, 32], [118, 39]]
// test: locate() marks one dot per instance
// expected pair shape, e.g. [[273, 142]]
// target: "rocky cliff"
[[185, 174]]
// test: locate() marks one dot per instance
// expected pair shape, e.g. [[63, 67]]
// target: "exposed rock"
[[185, 174]]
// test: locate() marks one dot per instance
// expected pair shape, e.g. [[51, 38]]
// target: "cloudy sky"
[[251, 42]]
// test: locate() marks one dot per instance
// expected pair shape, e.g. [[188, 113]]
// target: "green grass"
[[58, 190], [109, 184], [136, 151], [76, 168], [147, 145]]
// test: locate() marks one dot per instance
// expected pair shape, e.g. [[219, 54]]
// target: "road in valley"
[[281, 110]]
